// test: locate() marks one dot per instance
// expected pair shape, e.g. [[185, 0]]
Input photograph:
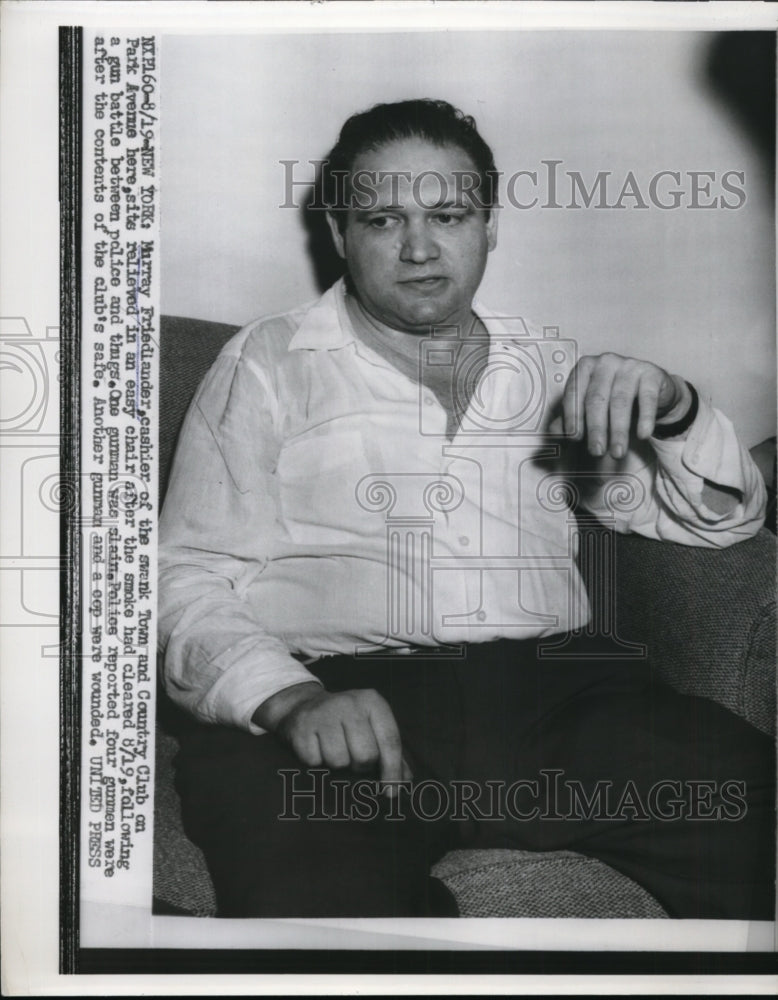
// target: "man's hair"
[[437, 122]]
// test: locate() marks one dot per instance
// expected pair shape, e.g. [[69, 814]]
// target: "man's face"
[[416, 252]]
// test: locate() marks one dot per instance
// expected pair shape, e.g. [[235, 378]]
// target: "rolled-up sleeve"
[[216, 530], [675, 480]]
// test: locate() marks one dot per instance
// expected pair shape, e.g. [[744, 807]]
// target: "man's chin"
[[429, 314]]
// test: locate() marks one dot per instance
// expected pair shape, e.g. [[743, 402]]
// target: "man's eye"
[[382, 221], [448, 218]]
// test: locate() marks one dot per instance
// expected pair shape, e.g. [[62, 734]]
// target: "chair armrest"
[[707, 617]]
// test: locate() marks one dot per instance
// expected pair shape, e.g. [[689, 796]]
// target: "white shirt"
[[316, 506]]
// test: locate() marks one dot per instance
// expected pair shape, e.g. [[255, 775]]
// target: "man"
[[361, 548]]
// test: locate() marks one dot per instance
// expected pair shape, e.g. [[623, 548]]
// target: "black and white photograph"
[[418, 511], [369, 571]]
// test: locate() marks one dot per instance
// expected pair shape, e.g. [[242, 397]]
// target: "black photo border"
[[70, 147]]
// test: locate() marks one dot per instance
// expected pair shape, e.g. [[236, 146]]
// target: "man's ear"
[[337, 236], [491, 229]]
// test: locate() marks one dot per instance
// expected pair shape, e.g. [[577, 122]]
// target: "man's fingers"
[[362, 746], [599, 401], [350, 729], [622, 400], [387, 737], [648, 398], [597, 409], [334, 749], [573, 398], [306, 746], [672, 390]]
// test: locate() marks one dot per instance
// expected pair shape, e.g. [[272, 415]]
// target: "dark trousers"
[[675, 792]]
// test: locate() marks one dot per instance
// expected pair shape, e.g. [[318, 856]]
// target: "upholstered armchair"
[[706, 617]]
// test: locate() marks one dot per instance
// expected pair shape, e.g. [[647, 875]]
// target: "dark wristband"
[[663, 431]]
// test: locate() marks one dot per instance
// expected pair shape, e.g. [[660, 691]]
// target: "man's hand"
[[345, 729], [600, 397]]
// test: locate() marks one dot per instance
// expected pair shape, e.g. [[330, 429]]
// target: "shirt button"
[[464, 540], [481, 616], [428, 400]]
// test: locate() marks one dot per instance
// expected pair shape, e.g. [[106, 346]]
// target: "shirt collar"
[[326, 325]]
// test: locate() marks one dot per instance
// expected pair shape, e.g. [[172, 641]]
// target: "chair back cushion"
[[188, 348]]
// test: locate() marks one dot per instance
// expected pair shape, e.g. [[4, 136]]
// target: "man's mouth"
[[432, 282]]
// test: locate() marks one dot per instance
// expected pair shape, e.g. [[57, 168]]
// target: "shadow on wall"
[[741, 72]]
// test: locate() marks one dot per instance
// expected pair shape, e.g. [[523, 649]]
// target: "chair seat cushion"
[[510, 883]]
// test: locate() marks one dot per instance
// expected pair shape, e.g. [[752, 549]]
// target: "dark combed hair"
[[437, 122]]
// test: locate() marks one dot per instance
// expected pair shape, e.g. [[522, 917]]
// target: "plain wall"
[[692, 290]]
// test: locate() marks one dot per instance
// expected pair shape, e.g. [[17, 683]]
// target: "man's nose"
[[418, 245]]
